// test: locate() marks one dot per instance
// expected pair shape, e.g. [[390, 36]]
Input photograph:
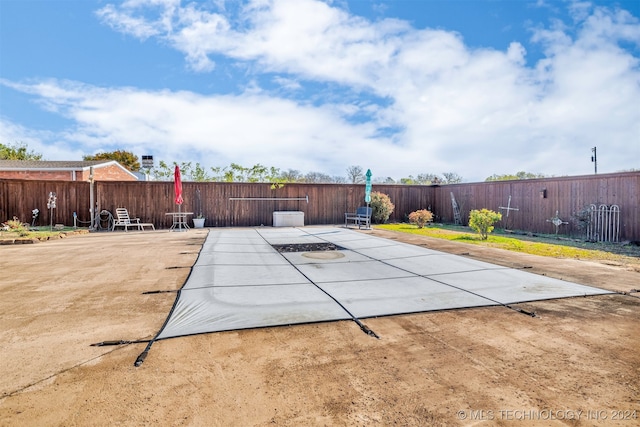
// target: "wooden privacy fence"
[[253, 204], [538, 200], [223, 204]]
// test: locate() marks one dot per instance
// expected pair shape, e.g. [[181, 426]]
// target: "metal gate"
[[604, 223]]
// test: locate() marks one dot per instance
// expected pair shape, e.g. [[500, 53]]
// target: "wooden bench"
[[362, 217]]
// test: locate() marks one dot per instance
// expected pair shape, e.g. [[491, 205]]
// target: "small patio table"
[[179, 221]]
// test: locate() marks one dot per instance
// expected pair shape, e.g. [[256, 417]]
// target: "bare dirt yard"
[[576, 363]]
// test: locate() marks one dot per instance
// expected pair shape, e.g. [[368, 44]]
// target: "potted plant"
[[198, 220]]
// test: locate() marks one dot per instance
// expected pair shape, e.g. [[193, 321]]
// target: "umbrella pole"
[[369, 218], [179, 217]]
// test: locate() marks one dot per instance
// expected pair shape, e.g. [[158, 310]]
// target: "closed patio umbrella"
[[177, 185], [367, 188]]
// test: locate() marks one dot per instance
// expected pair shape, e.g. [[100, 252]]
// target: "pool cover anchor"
[[365, 328], [141, 358], [629, 294], [160, 292], [118, 342], [519, 310]]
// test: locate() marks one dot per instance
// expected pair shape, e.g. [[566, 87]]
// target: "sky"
[[401, 87]]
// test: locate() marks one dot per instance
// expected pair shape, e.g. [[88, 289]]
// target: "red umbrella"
[[178, 186]]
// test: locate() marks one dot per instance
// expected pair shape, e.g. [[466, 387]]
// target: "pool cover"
[[241, 281]]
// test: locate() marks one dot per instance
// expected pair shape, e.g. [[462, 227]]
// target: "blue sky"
[[477, 87]]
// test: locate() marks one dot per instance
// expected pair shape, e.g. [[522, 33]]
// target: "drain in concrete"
[[307, 247]]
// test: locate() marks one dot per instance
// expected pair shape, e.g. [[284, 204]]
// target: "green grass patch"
[[40, 233], [525, 244]]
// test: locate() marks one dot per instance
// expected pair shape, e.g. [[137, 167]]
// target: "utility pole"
[[594, 159]]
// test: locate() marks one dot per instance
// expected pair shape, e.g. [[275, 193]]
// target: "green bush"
[[420, 217], [382, 207], [482, 221]]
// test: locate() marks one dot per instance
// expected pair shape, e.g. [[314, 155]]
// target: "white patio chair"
[[122, 219]]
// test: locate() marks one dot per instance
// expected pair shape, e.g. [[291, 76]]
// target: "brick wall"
[[38, 175], [107, 173]]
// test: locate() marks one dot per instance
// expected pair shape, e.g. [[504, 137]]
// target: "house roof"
[[59, 165], [51, 164]]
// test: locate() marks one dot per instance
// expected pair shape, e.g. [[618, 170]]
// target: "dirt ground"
[[576, 363]]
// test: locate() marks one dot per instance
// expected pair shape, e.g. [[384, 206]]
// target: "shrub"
[[420, 217], [16, 226], [482, 221], [382, 207]]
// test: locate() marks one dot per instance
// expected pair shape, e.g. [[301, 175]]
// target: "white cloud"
[[452, 108], [55, 147], [125, 23], [286, 83], [220, 129]]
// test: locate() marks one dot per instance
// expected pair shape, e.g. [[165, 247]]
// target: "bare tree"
[[451, 178], [317, 178], [291, 175], [355, 175], [383, 180]]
